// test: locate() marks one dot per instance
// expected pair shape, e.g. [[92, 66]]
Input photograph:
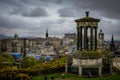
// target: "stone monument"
[[87, 60]]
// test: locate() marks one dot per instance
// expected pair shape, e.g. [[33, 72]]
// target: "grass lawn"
[[58, 76]]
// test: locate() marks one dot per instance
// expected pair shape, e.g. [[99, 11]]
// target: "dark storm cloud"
[[52, 1], [36, 12], [100, 9], [12, 23], [6, 23], [24, 9], [66, 12], [56, 15], [109, 9], [9, 1]]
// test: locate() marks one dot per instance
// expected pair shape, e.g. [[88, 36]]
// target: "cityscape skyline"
[[32, 18]]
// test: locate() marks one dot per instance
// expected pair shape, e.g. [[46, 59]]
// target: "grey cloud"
[[17, 10], [18, 7], [11, 23], [19, 14], [36, 12], [5, 22], [52, 1], [109, 9], [11, 3], [66, 12]]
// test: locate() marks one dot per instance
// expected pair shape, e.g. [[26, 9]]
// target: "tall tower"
[[100, 41], [47, 33], [82, 29], [112, 44]]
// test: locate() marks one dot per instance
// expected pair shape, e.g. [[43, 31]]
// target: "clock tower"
[[101, 41]]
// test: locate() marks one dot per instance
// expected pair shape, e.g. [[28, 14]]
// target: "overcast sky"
[[33, 17]]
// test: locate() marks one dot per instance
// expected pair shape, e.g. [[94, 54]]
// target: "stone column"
[[80, 71], [100, 71], [91, 38], [95, 38], [111, 68], [85, 38], [78, 37], [66, 66]]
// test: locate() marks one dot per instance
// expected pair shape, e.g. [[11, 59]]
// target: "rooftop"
[[87, 19]]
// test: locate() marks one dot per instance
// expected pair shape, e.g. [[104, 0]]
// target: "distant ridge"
[[4, 36]]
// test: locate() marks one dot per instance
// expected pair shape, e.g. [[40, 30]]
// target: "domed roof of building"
[[16, 35]]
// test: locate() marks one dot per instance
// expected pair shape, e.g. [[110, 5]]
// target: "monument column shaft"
[[91, 38], [66, 68], [80, 70], [100, 71], [85, 38], [96, 38], [78, 38]]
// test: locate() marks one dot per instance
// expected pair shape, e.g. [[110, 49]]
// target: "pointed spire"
[[100, 30], [112, 45], [46, 33], [112, 39]]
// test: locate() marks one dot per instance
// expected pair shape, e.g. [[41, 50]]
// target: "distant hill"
[[4, 36], [28, 37]]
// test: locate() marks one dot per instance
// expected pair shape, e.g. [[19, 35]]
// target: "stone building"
[[16, 44], [68, 38], [48, 50], [55, 41], [29, 45]]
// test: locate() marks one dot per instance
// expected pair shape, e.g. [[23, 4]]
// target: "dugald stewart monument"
[[91, 58]]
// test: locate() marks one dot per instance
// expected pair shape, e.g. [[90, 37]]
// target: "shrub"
[[50, 66], [22, 74], [3, 77], [116, 70], [28, 62], [22, 77]]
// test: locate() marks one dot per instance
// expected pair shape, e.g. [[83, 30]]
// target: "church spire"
[[46, 33], [112, 39], [100, 30], [112, 45]]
